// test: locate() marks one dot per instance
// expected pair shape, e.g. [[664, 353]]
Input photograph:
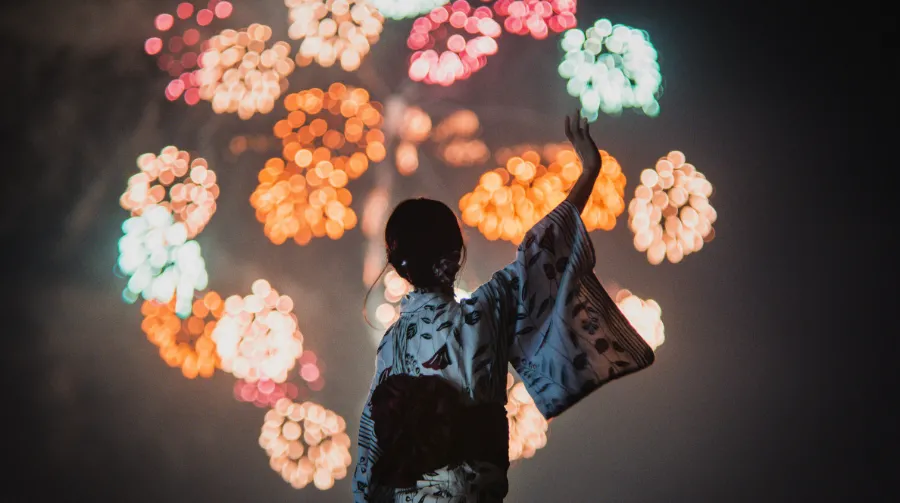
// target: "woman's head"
[[424, 243]]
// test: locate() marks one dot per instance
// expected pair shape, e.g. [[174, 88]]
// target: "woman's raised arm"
[[578, 132]]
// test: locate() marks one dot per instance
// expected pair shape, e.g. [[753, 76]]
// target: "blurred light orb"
[[451, 43], [412, 126], [334, 30], [192, 201], [239, 74], [527, 426], [374, 216], [644, 315], [257, 337], [457, 142], [395, 288], [509, 200], [186, 344], [610, 68], [463, 152], [162, 264], [180, 40], [547, 151], [256, 143], [328, 139], [402, 9], [306, 443], [312, 370], [415, 128], [536, 17], [264, 393], [670, 214]]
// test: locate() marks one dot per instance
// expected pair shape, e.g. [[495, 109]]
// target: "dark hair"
[[425, 243]]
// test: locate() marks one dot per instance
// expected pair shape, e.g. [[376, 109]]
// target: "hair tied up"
[[446, 269]]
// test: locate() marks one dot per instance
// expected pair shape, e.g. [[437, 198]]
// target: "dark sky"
[[770, 386]]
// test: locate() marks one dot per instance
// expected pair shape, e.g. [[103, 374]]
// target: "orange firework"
[[303, 194], [670, 214], [334, 30], [607, 199], [527, 426], [188, 343], [240, 75], [306, 443], [510, 200], [192, 200]]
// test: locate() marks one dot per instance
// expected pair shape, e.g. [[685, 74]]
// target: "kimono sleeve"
[[565, 336], [368, 451]]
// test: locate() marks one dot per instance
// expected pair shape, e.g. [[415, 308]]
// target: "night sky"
[[770, 385]]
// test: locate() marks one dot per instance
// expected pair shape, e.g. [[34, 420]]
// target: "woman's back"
[[545, 313], [438, 336]]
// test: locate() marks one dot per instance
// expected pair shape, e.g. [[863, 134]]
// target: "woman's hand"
[[579, 133]]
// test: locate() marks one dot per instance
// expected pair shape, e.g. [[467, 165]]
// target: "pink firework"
[[182, 38], [536, 17], [452, 42]]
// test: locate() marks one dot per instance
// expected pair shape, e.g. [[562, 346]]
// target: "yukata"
[[546, 314]]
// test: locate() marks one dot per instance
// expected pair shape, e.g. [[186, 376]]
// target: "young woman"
[[434, 428]]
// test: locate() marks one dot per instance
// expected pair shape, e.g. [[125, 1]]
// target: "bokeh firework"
[[537, 18], [192, 201], [509, 200], [160, 261], [610, 68], [257, 336], [186, 344], [527, 426], [328, 139], [334, 31], [239, 74], [644, 315], [670, 215], [452, 42], [180, 41], [306, 443]]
